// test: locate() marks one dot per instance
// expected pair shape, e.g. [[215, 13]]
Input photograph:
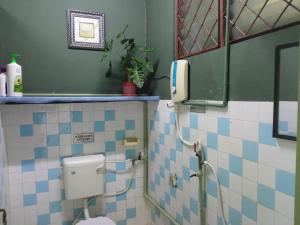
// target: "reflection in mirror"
[[285, 92]]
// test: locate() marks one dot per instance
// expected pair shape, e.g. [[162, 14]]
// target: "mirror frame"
[[276, 134]]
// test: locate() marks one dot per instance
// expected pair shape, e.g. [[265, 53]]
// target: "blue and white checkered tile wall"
[[287, 117], [3, 169], [256, 171], [39, 136]]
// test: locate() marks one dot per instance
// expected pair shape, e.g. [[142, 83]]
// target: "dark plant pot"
[[129, 89]]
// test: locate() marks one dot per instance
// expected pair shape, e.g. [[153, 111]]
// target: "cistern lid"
[[97, 221]]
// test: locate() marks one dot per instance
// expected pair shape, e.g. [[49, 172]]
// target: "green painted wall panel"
[[38, 31], [251, 68]]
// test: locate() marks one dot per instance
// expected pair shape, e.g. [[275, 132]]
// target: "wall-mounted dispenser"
[[179, 82]]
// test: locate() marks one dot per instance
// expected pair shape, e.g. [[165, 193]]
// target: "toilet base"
[[97, 221]]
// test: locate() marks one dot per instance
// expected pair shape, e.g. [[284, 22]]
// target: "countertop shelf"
[[73, 99]]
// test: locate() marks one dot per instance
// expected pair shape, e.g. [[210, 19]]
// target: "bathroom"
[[154, 174]]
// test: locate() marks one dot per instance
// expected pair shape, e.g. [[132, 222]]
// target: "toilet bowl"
[[97, 221]]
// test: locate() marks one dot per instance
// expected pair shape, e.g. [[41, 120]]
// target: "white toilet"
[[84, 178]]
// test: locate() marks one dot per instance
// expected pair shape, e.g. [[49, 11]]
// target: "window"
[[201, 27]]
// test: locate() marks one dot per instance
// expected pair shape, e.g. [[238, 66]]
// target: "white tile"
[[52, 128], [284, 204], [235, 183], [235, 109], [235, 200], [280, 220], [250, 131], [64, 117], [236, 147], [250, 111], [250, 170], [29, 188], [51, 117], [265, 215], [266, 112], [236, 128], [250, 189], [268, 155], [266, 175], [212, 124]]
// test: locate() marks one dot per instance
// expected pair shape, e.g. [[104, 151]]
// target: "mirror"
[[285, 91]]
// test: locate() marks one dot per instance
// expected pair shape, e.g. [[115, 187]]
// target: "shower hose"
[[205, 163]]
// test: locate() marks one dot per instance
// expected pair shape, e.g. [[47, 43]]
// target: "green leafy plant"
[[133, 62]]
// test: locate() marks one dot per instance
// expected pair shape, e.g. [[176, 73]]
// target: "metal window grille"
[[201, 27], [198, 26], [252, 17]]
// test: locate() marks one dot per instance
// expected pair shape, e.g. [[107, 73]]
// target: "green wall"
[[37, 30], [251, 68]]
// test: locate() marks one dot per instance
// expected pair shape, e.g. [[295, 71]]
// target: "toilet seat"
[[97, 221]]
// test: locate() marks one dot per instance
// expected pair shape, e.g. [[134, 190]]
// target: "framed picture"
[[85, 30]]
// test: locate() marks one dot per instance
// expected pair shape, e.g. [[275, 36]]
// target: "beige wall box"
[[132, 141]]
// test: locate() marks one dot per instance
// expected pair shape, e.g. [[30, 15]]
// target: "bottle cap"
[[14, 57], [2, 68]]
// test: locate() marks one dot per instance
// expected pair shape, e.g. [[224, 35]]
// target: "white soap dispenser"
[[14, 78], [2, 81]]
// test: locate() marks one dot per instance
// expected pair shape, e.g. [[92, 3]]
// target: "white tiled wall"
[[257, 171], [39, 136], [3, 168]]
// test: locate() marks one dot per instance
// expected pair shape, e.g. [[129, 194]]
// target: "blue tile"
[[26, 130], [194, 163], [29, 199], [285, 182], [40, 153], [122, 222], [167, 129], [212, 141], [129, 124], [167, 164], [220, 221], [157, 148], [224, 126], [167, 199], [28, 165], [212, 188], [266, 134], [283, 126], [193, 121], [162, 203], [186, 133], [194, 206], [157, 179], [55, 207], [131, 183], [54, 174], [172, 118], [236, 165], [110, 146], [266, 196], [53, 140], [173, 192], [179, 145], [161, 139], [156, 116], [68, 222], [77, 212], [224, 177], [109, 115], [64, 128], [179, 218], [130, 153], [121, 166], [131, 213], [76, 117], [186, 213], [235, 217], [250, 150], [121, 197], [173, 155], [44, 219], [152, 156], [120, 135], [110, 177], [249, 208], [42, 186], [186, 174], [39, 117], [62, 194], [77, 149], [99, 126]]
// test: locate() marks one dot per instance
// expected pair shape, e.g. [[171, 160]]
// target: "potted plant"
[[134, 63]]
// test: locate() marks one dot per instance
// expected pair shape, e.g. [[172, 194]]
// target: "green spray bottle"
[[14, 77]]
